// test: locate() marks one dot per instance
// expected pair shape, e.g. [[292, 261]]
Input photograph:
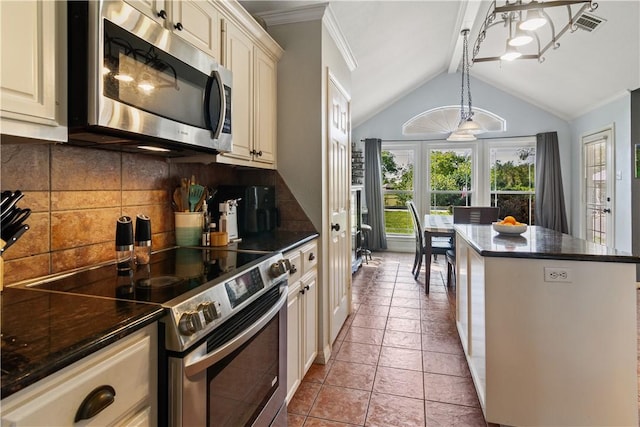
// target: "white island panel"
[[549, 353]]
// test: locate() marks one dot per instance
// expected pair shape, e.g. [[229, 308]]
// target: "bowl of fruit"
[[509, 225]]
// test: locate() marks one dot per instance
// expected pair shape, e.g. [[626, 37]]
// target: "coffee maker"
[[256, 209]]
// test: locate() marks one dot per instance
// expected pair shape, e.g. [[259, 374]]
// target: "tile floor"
[[398, 359]]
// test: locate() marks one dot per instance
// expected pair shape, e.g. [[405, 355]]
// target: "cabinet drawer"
[[294, 258], [309, 254], [125, 366]]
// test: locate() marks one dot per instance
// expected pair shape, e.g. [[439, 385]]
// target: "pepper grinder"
[[143, 239], [124, 243]]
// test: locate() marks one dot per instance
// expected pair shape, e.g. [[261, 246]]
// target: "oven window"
[[139, 74], [241, 384]]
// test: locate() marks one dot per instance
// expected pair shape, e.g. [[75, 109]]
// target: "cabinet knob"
[[302, 291], [259, 153], [335, 227], [307, 287], [162, 14], [95, 402], [312, 256], [178, 26]]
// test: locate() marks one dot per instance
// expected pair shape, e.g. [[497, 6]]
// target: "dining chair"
[[422, 240], [468, 215]]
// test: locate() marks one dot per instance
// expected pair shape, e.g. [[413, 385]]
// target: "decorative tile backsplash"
[[76, 194]]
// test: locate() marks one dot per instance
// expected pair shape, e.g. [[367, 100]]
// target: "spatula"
[[196, 192]]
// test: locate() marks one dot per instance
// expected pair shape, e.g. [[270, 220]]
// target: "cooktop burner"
[[170, 274]]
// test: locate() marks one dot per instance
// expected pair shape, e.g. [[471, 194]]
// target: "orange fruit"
[[509, 220]]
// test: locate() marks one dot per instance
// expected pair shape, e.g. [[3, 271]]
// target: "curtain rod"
[[444, 139]]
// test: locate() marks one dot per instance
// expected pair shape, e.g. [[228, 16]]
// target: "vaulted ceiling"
[[400, 45]]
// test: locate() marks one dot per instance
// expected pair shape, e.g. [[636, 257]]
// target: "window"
[[398, 166], [439, 176], [449, 180], [512, 179]]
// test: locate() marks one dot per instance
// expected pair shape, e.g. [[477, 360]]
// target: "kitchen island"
[[548, 326]]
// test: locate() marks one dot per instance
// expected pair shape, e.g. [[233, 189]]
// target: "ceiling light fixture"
[[531, 21], [467, 128]]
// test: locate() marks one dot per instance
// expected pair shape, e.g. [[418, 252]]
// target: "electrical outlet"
[[557, 274]]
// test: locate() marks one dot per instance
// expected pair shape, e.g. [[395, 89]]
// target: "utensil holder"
[[188, 228]]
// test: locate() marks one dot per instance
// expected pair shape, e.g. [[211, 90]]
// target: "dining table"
[[435, 226]]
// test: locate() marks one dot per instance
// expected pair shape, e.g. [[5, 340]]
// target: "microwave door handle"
[[214, 78], [194, 368]]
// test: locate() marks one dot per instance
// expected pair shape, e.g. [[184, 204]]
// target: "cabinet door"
[[310, 323], [294, 309], [239, 59], [264, 108], [199, 23], [154, 9], [29, 84]]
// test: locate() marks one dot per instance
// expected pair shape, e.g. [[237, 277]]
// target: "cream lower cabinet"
[[33, 69], [125, 371], [302, 315]]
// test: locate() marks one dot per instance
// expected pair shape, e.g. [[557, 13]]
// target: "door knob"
[[335, 227]]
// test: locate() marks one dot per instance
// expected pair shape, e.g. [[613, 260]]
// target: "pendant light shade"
[[461, 137], [510, 53], [470, 127], [534, 20], [521, 38]]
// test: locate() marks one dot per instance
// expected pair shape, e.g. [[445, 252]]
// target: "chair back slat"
[[475, 214]]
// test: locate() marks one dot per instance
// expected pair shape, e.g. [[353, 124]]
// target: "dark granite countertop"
[[43, 332], [281, 241], [538, 242]]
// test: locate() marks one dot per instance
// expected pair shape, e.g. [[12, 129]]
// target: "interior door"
[[339, 182], [598, 187]]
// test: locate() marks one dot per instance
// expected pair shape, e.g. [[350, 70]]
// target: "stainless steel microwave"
[[134, 85]]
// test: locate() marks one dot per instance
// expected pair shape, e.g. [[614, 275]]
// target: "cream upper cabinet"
[[197, 22], [239, 59], [33, 69], [264, 107], [154, 9], [253, 100]]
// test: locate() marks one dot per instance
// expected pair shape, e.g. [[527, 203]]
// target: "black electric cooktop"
[[170, 274]]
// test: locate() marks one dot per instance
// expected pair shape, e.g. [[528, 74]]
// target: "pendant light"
[[467, 129]]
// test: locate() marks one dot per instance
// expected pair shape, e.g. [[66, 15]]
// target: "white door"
[[339, 182], [598, 187]]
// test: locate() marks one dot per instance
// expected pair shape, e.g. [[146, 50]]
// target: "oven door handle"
[[195, 367]]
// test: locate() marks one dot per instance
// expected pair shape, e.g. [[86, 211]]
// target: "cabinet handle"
[[162, 14], [95, 402], [312, 256], [178, 26], [293, 269]]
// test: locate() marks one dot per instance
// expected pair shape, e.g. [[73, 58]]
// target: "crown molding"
[[331, 23], [314, 12]]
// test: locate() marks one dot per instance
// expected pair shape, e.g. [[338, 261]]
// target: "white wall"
[[618, 114], [522, 118], [299, 113]]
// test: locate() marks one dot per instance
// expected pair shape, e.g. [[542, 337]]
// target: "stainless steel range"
[[223, 354]]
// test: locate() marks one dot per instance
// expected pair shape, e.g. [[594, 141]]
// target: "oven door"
[[237, 377]]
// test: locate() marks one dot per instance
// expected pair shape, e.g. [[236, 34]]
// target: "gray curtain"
[[373, 192], [550, 210]]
